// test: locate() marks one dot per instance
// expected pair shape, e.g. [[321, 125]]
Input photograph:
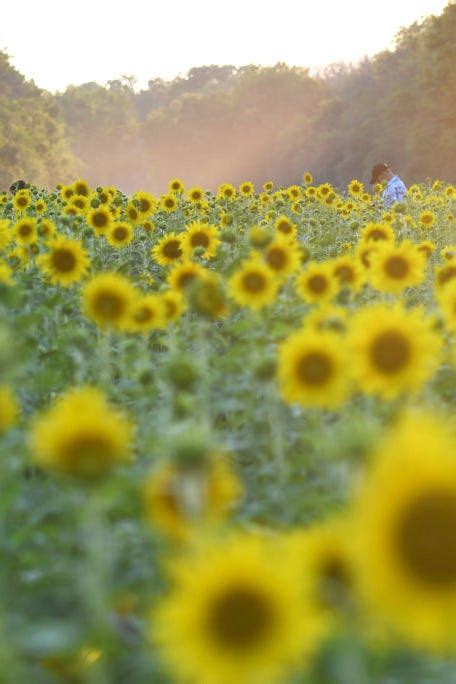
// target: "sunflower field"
[[227, 435]]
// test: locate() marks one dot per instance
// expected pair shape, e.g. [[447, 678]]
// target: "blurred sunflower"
[[307, 178], [100, 220], [377, 232], [66, 262], [285, 227], [81, 187], [145, 202], [168, 249], [313, 369], [174, 305], [226, 191], [203, 235], [247, 189], [253, 284], [146, 314], [395, 267], [108, 299], [281, 256], [80, 435], [22, 200], [234, 614], [120, 234], [348, 272], [25, 231], [407, 548], [317, 283], [196, 194], [396, 350], [426, 219], [184, 274], [168, 203], [176, 186], [355, 188]]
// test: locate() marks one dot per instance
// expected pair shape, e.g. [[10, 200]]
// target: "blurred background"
[[332, 89]]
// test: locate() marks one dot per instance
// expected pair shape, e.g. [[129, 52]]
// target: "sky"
[[57, 43]]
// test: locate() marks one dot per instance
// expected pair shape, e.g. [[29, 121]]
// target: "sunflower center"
[[196, 196], [63, 260], [284, 227], [169, 202], [345, 274], [199, 239], [25, 229], [88, 452], [254, 282], [100, 219], [446, 274], [426, 538], [172, 249], [120, 233], [390, 352], [276, 258], [185, 279], [240, 618], [314, 368], [143, 314], [376, 235], [317, 284], [109, 305], [144, 205], [396, 267]]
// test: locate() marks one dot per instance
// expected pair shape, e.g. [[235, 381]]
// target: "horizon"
[[163, 58]]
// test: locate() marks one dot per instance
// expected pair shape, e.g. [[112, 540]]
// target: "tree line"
[[221, 123]]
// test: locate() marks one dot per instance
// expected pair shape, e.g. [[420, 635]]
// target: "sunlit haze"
[[59, 44]]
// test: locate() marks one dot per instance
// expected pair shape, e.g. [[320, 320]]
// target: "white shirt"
[[395, 191]]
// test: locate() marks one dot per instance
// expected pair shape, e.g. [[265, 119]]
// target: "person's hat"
[[376, 171]]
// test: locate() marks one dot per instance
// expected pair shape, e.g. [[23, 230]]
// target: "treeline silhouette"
[[221, 123]]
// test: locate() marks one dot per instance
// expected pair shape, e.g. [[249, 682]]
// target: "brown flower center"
[[426, 540], [63, 260], [396, 267], [276, 258], [390, 352], [254, 282], [199, 239], [240, 618], [172, 249], [314, 368], [317, 284]]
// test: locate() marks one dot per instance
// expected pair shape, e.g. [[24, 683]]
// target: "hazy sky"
[[58, 43]]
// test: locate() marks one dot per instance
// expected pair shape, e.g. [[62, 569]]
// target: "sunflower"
[[80, 203], [81, 187], [66, 263], [324, 190], [201, 235], [364, 253], [285, 227], [282, 256], [145, 202], [247, 189], [317, 283], [355, 188], [395, 267], [6, 234], [307, 178], [184, 274], [294, 192], [377, 232], [22, 200], [447, 301], [25, 231], [120, 234], [176, 186], [9, 408], [396, 350], [348, 272], [174, 305], [427, 219], [46, 228], [207, 296], [426, 247], [326, 560], [108, 299], [80, 435], [268, 186], [196, 194], [178, 500], [226, 191], [40, 206], [6, 274], [146, 314], [100, 220], [66, 191], [168, 249], [253, 284], [312, 369], [311, 192], [327, 318], [444, 274], [449, 252], [235, 614], [407, 548]]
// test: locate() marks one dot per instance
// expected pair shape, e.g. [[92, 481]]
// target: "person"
[[395, 190]]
